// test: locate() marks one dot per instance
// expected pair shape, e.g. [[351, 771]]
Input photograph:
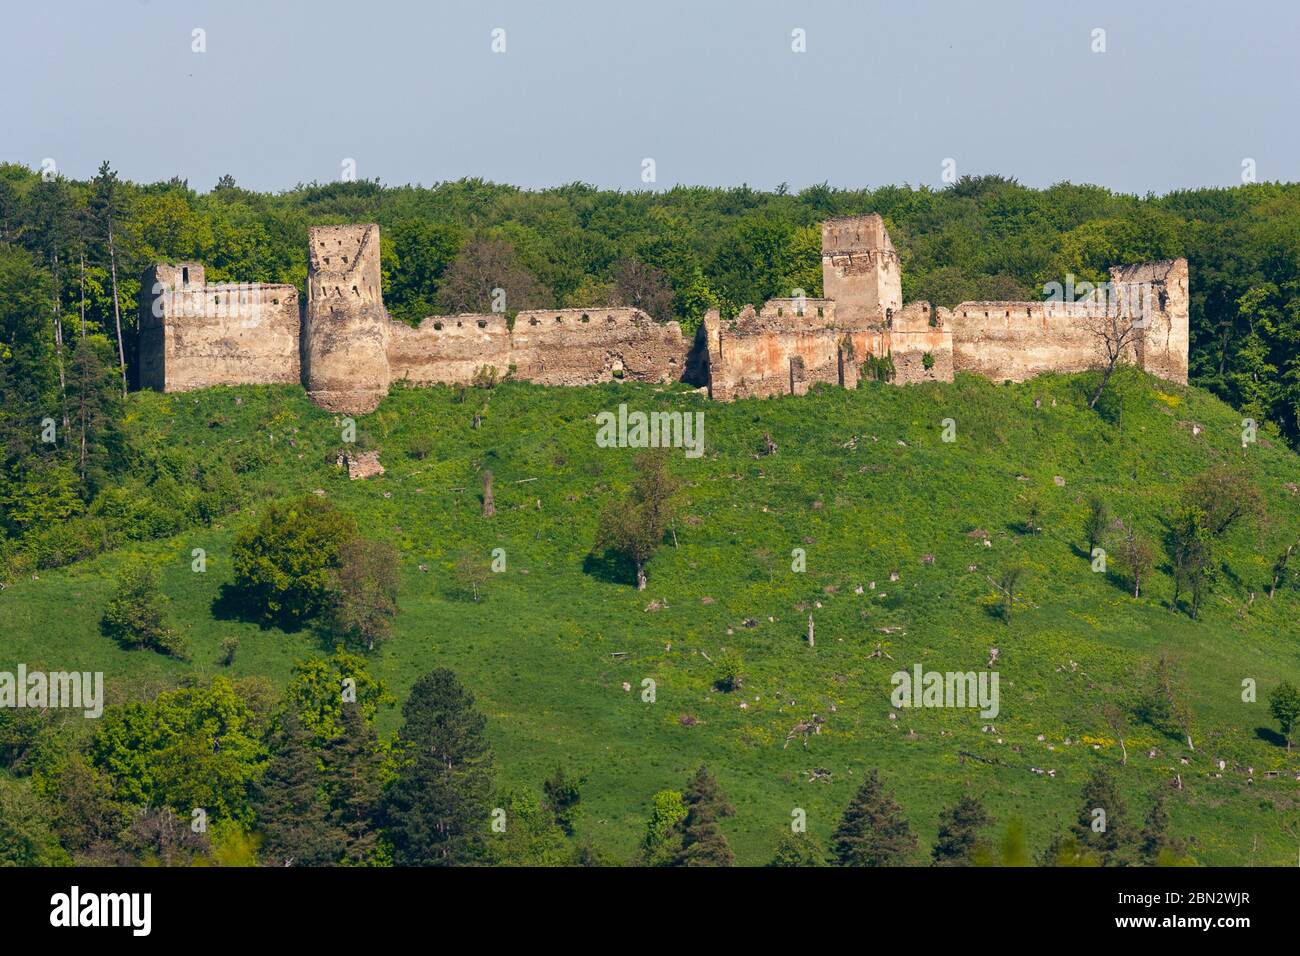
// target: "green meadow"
[[560, 645]]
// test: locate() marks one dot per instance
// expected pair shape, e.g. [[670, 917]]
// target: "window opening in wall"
[[185, 276], [585, 317], [819, 312], [482, 324], [354, 291], [437, 326]]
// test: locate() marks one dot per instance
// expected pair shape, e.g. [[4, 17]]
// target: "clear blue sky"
[[710, 90]]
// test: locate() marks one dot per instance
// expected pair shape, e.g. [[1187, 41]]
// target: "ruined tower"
[[860, 269], [345, 333], [1155, 293]]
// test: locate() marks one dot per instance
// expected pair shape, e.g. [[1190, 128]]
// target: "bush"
[[727, 675], [136, 615], [282, 565], [363, 592]]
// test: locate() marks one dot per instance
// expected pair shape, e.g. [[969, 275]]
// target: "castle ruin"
[[342, 346]]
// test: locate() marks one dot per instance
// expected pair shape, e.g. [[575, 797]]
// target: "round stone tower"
[[345, 333]]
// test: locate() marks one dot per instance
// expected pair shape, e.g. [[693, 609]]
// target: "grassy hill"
[[865, 485]]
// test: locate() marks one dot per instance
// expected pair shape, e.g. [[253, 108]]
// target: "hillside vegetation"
[[557, 646]]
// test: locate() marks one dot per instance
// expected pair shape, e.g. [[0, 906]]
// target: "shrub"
[[136, 615], [727, 673]]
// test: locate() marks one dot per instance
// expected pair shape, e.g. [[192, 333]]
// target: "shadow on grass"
[[1270, 736], [610, 567], [231, 605]]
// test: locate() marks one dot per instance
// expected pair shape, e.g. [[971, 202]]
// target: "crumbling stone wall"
[[1163, 346], [194, 335], [448, 348], [550, 347], [774, 352], [1014, 341], [346, 330]]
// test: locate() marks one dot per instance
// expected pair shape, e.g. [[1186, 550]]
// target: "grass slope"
[[862, 482]]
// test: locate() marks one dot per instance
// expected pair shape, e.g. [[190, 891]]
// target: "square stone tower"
[[860, 269]]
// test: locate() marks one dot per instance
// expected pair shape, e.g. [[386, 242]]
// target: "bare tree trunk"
[[1123, 752], [117, 308], [640, 576], [83, 295], [1105, 377], [811, 643], [489, 507]]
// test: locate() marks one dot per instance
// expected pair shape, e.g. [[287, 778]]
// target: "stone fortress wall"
[[193, 335], [346, 351]]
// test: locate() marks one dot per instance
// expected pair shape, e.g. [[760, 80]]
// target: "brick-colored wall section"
[[771, 351]]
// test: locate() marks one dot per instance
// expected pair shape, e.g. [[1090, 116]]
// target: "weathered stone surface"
[[551, 347], [360, 464], [346, 332], [193, 335]]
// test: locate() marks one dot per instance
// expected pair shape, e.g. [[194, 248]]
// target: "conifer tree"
[[873, 831], [959, 827], [703, 842], [352, 780], [437, 809], [288, 801], [1108, 833]]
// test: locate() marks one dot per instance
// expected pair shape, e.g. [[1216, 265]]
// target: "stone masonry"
[[346, 351]]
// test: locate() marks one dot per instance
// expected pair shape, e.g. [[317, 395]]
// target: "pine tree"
[[1155, 831], [873, 831], [352, 780], [95, 406], [436, 811], [959, 827], [288, 801], [563, 794], [703, 843], [1108, 834]]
